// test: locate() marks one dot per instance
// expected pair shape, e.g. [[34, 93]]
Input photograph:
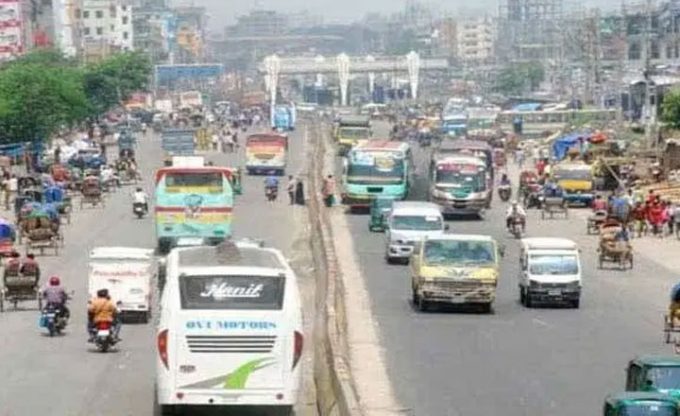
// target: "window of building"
[[77, 13], [123, 8], [112, 11], [86, 14], [86, 31], [100, 30], [99, 14], [113, 28], [125, 35], [125, 20], [634, 51]]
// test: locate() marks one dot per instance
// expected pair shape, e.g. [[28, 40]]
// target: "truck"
[[349, 130], [576, 180], [190, 99], [177, 142], [455, 269], [284, 117], [127, 273]]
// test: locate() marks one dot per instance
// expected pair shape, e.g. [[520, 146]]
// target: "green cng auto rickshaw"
[[640, 404], [653, 373], [380, 207], [236, 181]]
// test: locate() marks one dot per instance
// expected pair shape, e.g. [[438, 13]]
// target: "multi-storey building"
[[106, 27], [476, 39]]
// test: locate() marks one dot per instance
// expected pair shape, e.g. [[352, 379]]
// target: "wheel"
[[630, 261], [51, 330], [486, 308], [527, 301], [414, 296], [601, 261], [576, 303], [522, 296], [2, 301], [423, 305], [40, 302], [145, 318]]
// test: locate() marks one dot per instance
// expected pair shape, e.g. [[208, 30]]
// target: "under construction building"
[[530, 30]]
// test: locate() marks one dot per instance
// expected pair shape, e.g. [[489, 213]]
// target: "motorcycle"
[[104, 339], [53, 320], [534, 200], [504, 192], [516, 226], [271, 192], [139, 209]]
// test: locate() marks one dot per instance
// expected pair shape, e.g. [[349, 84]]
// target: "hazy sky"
[[223, 12]]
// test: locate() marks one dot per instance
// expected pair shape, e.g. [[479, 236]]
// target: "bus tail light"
[[163, 347], [297, 349]]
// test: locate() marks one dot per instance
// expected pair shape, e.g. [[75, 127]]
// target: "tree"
[[112, 81], [670, 108], [535, 73], [510, 81], [37, 99]]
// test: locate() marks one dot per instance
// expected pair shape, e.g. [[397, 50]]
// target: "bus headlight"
[[440, 194]]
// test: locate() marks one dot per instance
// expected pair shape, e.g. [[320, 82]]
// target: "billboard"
[[171, 73], [11, 42]]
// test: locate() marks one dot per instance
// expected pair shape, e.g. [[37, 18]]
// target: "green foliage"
[[516, 79], [670, 108], [43, 91]]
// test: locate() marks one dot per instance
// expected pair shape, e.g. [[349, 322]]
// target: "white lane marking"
[[542, 323]]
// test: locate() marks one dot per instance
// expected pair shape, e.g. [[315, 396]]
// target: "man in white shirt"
[[11, 186], [515, 210], [140, 197]]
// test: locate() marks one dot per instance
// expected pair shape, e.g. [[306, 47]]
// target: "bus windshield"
[[353, 133], [474, 180], [380, 168], [211, 180], [232, 292], [457, 252], [664, 377]]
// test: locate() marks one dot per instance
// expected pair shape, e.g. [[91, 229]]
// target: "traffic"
[[470, 251]]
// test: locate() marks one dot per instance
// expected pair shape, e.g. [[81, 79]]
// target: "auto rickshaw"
[[528, 182], [640, 403], [380, 208]]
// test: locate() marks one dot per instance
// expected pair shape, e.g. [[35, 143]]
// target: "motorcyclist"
[[505, 181], [552, 190], [599, 204], [674, 307], [102, 309], [55, 297], [140, 197], [515, 211], [271, 183]]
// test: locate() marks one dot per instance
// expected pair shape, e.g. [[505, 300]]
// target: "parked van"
[[550, 271], [230, 330], [408, 223]]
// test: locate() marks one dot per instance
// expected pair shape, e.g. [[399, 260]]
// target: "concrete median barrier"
[[336, 393]]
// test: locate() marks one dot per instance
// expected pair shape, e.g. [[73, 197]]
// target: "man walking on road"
[[328, 191], [291, 189]]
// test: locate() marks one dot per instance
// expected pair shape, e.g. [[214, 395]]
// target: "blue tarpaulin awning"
[[562, 144], [528, 107]]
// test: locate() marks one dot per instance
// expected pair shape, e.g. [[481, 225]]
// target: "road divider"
[[336, 392]]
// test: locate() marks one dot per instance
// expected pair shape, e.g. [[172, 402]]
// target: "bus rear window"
[[203, 179], [232, 292]]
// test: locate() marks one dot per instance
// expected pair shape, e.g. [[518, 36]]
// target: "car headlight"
[[574, 285], [440, 194]]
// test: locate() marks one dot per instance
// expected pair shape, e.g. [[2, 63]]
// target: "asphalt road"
[[517, 361], [64, 375]]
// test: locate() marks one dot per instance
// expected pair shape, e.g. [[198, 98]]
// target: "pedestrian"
[[328, 191], [299, 192], [291, 189], [11, 188]]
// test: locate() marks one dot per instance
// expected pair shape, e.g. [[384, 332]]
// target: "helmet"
[[54, 281], [102, 293]]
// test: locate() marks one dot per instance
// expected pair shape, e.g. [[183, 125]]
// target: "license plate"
[[555, 292], [103, 333], [457, 299], [188, 241]]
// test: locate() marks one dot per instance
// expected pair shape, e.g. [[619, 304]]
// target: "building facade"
[[105, 27], [476, 40]]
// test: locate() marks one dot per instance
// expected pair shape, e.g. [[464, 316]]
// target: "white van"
[[408, 223], [126, 272], [550, 271], [230, 330]]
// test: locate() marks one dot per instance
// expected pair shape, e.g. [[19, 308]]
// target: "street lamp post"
[[371, 77], [272, 65], [413, 64], [343, 77]]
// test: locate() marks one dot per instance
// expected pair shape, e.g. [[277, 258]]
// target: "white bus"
[[230, 330]]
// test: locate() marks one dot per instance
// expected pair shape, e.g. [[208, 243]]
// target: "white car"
[[407, 224]]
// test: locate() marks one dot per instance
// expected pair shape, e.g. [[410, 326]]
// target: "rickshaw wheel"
[[2, 300], [39, 298]]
